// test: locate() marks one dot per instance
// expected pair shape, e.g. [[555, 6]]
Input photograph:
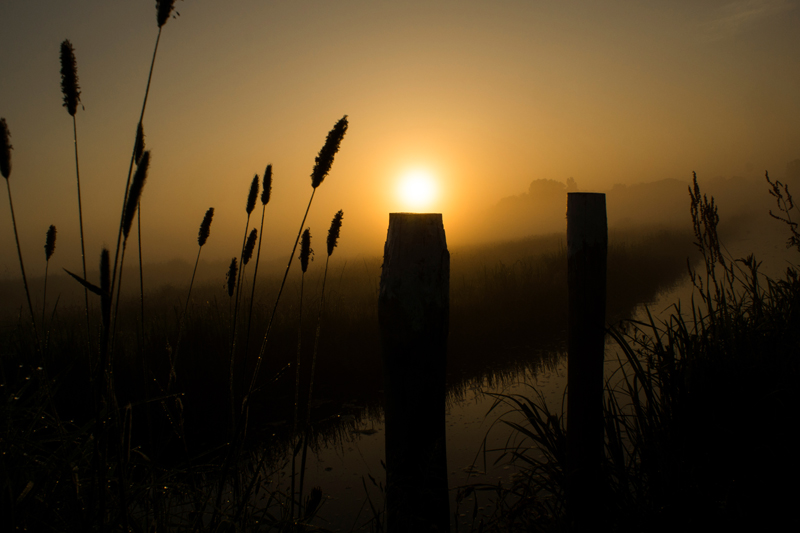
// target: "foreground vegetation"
[[699, 414]]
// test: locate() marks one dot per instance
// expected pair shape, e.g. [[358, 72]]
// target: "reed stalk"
[[252, 196], [202, 237], [305, 254], [333, 238], [163, 11], [138, 152], [72, 96], [266, 193], [5, 170], [322, 166], [131, 208], [49, 249]]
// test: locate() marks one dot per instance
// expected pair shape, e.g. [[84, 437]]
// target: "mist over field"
[[743, 204]]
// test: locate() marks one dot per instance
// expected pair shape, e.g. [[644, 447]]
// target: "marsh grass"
[[689, 393]]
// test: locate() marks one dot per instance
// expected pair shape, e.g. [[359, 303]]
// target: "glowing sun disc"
[[417, 188]]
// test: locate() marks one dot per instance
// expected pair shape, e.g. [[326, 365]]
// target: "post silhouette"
[[413, 310], [587, 248]]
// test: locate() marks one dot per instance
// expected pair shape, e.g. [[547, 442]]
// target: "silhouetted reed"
[[72, 95], [230, 277], [138, 147], [252, 196], [137, 186], [305, 254], [5, 149], [266, 192], [202, 237], [324, 160], [163, 11], [5, 169], [322, 166], [49, 249], [69, 78], [249, 246], [332, 240]]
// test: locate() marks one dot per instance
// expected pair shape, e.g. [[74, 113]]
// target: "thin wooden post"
[[414, 311], [587, 248]]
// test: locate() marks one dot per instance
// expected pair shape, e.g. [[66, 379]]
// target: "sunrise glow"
[[417, 189]]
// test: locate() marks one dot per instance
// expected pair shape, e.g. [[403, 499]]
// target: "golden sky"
[[483, 96]]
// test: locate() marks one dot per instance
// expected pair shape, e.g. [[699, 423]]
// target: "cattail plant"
[[49, 249], [322, 167], [333, 239], [5, 169], [305, 254], [72, 95]]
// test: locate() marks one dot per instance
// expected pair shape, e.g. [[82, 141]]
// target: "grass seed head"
[[135, 193], [69, 78], [324, 160], [163, 10], [205, 227], [249, 246], [50, 243], [231, 276], [333, 232], [266, 190], [252, 195], [138, 149], [5, 149], [305, 249]]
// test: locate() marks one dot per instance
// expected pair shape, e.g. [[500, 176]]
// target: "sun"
[[417, 189]]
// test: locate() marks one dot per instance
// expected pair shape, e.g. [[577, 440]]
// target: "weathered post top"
[[416, 266], [586, 213]]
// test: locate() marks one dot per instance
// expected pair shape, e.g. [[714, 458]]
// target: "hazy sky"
[[485, 96]]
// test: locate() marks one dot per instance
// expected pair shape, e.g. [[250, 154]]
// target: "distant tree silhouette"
[[571, 185]]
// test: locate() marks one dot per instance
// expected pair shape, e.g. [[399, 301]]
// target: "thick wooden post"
[[587, 248], [414, 310]]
